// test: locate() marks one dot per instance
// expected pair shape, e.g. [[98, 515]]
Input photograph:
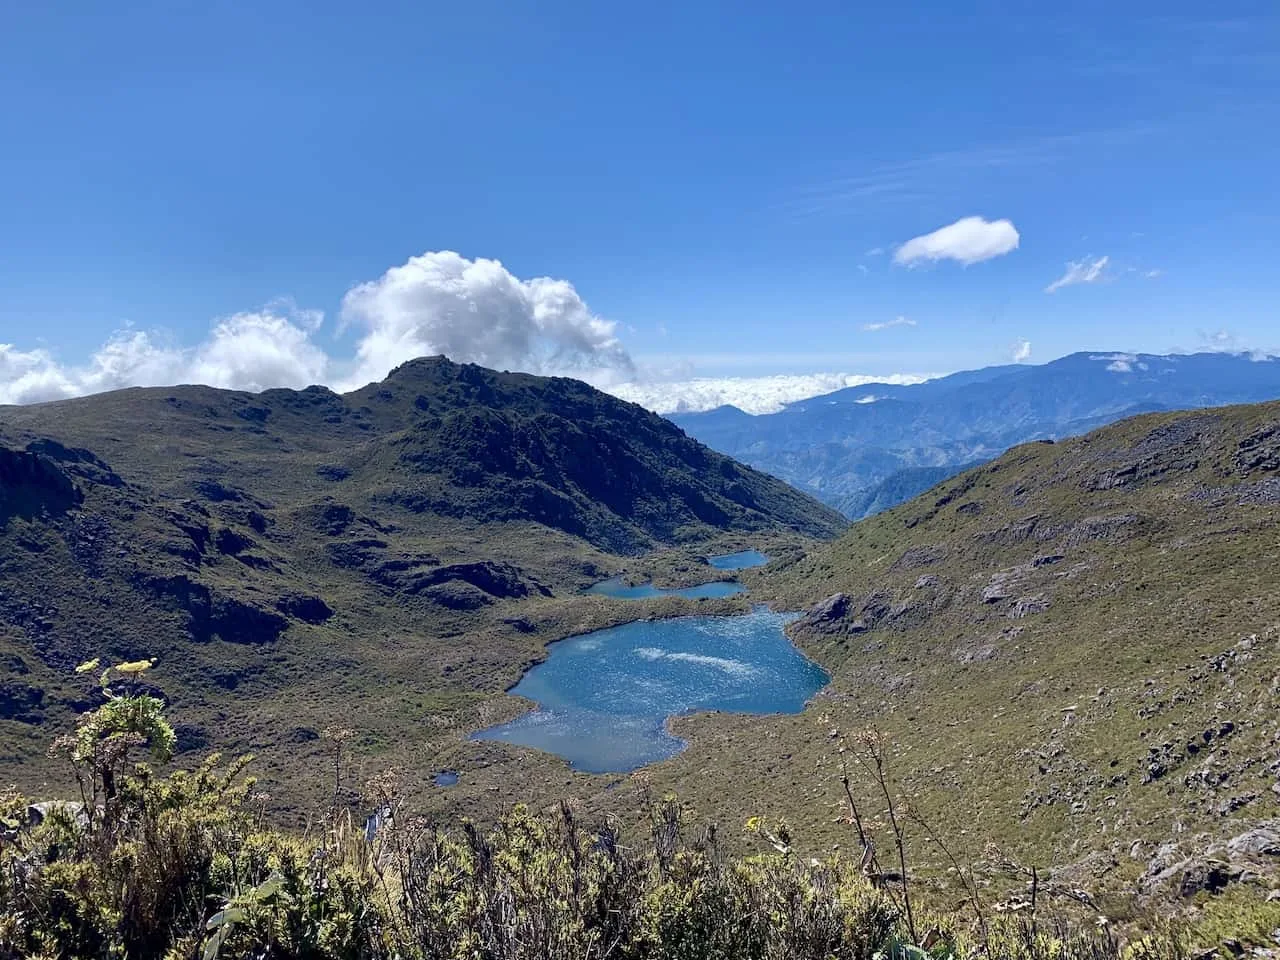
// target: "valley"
[[1070, 651]]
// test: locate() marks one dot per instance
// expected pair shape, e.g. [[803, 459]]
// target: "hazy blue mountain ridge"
[[863, 449]]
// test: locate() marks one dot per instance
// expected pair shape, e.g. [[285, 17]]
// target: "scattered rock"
[[38, 813], [919, 557], [1259, 842], [823, 615], [1101, 528], [995, 591], [304, 607], [1025, 606]]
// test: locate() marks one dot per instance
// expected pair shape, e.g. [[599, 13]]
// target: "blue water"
[[619, 590], [738, 561], [604, 698], [447, 778]]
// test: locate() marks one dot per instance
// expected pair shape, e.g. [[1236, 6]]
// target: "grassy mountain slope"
[[1074, 647], [386, 560]]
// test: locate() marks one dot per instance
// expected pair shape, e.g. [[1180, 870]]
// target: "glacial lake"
[[604, 697], [738, 561]]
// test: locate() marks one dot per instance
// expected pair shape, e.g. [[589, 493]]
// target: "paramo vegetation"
[[154, 864]]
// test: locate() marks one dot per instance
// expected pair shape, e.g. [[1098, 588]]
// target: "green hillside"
[[1074, 650], [388, 560]]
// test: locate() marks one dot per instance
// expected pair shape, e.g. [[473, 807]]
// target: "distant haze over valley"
[[868, 447]]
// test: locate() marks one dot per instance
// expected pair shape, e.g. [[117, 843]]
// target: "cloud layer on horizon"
[[767, 394]]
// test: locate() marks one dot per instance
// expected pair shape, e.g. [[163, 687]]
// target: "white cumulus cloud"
[[968, 240], [886, 324], [1080, 271], [476, 311], [437, 303], [1021, 350], [246, 351]]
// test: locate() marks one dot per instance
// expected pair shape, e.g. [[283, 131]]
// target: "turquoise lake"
[[738, 561], [604, 697]]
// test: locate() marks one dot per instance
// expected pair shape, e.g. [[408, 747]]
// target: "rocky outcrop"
[[303, 607], [825, 615], [1259, 451], [213, 615], [21, 701], [76, 461], [32, 485], [1212, 868]]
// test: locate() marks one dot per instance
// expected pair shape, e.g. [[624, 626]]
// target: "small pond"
[[446, 778], [617, 588], [738, 561], [604, 697]]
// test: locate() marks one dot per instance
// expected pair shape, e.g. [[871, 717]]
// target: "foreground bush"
[[150, 866]]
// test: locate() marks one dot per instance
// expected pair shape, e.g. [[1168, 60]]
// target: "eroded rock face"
[[213, 615], [826, 614], [1260, 450], [21, 701], [304, 607], [76, 461], [32, 485]]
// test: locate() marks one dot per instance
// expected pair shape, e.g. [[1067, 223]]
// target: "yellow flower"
[[135, 667]]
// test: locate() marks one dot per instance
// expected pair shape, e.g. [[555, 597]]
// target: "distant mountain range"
[[864, 449]]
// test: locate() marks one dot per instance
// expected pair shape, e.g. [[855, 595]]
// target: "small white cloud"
[[1120, 362], [862, 268], [1152, 274], [1080, 271], [1021, 350], [968, 240], [886, 324], [875, 252]]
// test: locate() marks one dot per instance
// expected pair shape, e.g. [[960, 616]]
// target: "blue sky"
[[713, 179]]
